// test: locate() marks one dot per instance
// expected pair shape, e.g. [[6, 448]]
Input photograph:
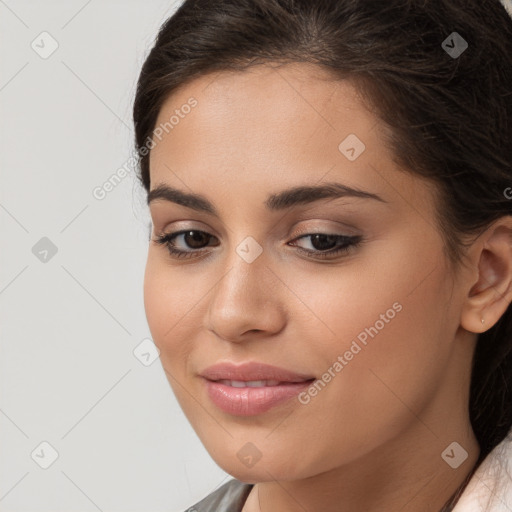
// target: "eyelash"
[[349, 242]]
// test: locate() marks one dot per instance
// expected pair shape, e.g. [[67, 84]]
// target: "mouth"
[[252, 388], [251, 398]]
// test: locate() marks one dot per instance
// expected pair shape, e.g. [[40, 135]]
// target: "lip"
[[252, 371], [250, 401]]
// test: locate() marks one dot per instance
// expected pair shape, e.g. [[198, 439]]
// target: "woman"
[[330, 267]]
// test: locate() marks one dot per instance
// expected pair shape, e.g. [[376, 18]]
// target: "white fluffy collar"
[[491, 485]]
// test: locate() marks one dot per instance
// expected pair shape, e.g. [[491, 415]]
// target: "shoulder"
[[490, 488], [230, 497]]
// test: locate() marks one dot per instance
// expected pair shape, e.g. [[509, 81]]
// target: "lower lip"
[[250, 401]]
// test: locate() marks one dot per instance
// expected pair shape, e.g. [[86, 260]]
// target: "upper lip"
[[252, 371]]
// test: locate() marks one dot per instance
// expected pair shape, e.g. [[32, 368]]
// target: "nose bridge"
[[243, 298], [246, 272]]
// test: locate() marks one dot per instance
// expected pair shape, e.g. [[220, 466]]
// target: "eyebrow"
[[299, 195]]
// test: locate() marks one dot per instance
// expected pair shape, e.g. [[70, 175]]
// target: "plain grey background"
[[71, 273]]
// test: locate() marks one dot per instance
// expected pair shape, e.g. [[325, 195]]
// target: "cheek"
[[169, 306], [388, 296], [391, 329], [397, 316]]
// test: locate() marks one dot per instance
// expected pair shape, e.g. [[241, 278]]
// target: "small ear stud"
[[483, 321]]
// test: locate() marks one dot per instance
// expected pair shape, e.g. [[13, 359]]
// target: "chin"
[[269, 467]]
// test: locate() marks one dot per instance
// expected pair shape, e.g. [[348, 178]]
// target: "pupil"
[[196, 237], [330, 238]]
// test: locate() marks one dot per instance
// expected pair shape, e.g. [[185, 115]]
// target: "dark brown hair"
[[449, 117]]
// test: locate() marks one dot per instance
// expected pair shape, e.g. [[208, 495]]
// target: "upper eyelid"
[[347, 231], [340, 226], [301, 212]]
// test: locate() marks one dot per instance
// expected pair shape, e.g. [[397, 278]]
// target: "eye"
[[324, 245], [329, 245], [192, 237]]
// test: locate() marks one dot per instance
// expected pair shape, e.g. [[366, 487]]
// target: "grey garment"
[[230, 497]]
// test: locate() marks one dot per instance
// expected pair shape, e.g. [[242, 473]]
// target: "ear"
[[489, 297]]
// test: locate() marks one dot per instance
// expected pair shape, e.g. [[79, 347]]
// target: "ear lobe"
[[490, 296]]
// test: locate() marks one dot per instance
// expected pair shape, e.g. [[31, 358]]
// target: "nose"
[[245, 302]]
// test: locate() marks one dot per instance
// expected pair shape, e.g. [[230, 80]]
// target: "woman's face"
[[374, 324]]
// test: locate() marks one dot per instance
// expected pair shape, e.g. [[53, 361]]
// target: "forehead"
[[294, 99], [299, 88], [265, 111]]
